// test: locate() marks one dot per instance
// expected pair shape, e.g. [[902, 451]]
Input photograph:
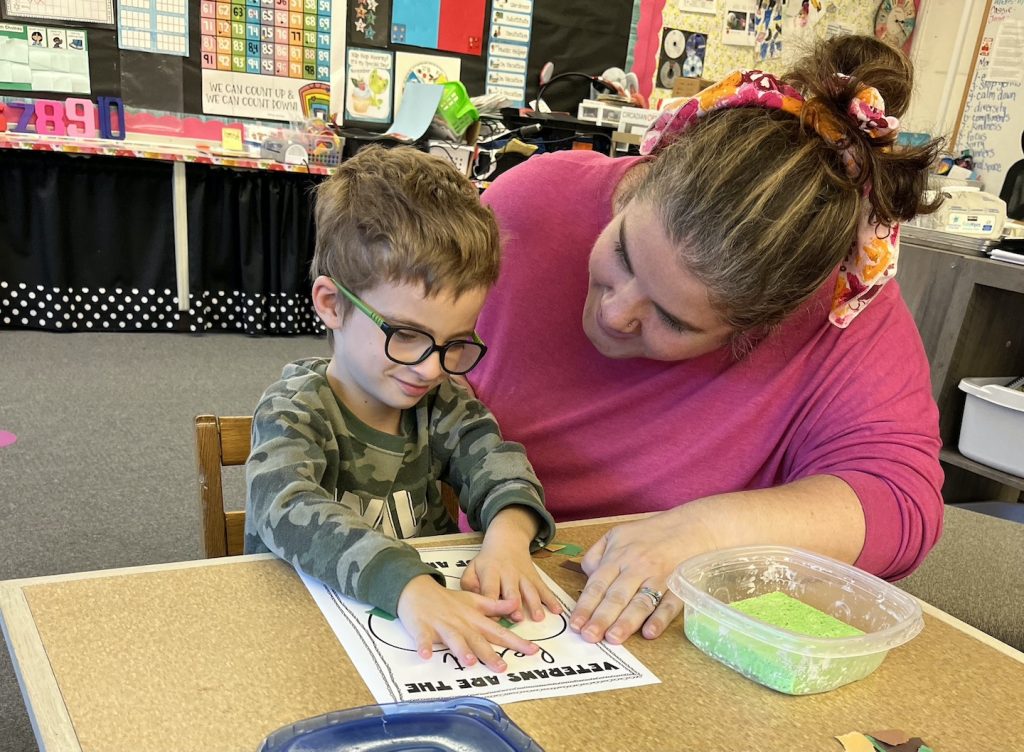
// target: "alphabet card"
[[385, 655]]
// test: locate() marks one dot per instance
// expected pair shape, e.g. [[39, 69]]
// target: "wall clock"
[[895, 20]]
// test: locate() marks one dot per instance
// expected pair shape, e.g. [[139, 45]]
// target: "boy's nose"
[[430, 369]]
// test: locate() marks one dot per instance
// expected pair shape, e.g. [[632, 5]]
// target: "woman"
[[729, 372]]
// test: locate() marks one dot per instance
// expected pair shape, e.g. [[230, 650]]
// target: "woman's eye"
[[620, 254], [671, 323]]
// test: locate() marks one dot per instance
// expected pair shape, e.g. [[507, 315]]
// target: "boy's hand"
[[431, 613], [503, 568]]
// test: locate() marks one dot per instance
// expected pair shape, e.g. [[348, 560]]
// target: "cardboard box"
[[687, 87]]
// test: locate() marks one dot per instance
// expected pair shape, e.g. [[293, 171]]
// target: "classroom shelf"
[[953, 457]]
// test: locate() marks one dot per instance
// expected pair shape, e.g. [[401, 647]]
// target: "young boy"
[[347, 451]]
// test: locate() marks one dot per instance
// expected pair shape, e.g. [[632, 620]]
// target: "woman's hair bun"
[[829, 77]]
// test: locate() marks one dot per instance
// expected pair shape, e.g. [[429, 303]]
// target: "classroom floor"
[[102, 472]]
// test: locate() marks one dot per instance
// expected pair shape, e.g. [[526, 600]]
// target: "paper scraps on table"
[[890, 740], [573, 565], [564, 549]]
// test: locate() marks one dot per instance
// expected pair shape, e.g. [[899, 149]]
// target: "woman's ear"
[[326, 303]]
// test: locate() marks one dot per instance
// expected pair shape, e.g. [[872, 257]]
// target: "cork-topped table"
[[214, 655]]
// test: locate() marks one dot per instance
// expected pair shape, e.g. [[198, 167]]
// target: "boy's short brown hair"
[[403, 216]]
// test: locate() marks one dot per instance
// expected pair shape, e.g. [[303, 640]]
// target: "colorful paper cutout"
[[416, 22], [7, 438], [855, 742], [461, 26]]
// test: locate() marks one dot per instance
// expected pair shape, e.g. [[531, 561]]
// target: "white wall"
[[942, 49]]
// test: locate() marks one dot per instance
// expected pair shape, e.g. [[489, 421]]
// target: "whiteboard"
[[993, 111]]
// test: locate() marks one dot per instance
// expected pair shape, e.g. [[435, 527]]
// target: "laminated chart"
[[508, 49], [86, 11], [40, 58], [287, 38], [153, 26]]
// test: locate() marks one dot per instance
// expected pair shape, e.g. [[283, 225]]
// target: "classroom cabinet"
[[970, 312]]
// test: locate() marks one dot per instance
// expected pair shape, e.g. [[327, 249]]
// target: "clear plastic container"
[[778, 658]]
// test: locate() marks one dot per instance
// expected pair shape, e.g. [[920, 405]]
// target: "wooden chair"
[[220, 442], [225, 442]]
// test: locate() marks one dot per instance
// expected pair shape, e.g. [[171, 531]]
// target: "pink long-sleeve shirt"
[[613, 437]]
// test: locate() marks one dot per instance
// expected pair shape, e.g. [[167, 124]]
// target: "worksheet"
[[385, 656]]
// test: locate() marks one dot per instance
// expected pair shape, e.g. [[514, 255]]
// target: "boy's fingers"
[[490, 584], [459, 647], [548, 599], [499, 635], [485, 652], [470, 579], [497, 607], [531, 600]]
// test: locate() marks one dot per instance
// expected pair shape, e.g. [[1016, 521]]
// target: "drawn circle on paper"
[[7, 438], [668, 74], [393, 634], [674, 44]]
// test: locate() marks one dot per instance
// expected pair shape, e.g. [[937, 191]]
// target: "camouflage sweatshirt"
[[333, 496]]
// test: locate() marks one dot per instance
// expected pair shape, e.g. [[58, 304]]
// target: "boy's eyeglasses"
[[409, 346]]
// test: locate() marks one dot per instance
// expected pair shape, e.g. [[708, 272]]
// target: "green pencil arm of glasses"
[[409, 346]]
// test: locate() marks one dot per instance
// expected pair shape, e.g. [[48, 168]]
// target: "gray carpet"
[[102, 474]]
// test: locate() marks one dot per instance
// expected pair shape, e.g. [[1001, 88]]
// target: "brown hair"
[[402, 216], [761, 206]]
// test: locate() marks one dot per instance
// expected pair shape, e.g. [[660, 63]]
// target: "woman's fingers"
[[592, 596], [592, 559], [662, 617]]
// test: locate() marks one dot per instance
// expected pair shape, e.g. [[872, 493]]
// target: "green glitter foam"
[[781, 610], [773, 665]]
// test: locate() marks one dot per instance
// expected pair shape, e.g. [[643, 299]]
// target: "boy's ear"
[[326, 303]]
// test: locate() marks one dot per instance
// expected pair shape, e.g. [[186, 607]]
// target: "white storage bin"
[[992, 431]]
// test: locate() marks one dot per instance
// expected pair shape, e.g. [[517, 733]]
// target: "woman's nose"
[[622, 306]]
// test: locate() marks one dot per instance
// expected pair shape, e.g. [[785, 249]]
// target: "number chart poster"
[[265, 58], [386, 657], [39, 58]]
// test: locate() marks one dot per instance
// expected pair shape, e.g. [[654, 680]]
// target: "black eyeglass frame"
[[390, 330]]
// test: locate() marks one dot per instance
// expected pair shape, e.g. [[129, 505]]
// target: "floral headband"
[[871, 260]]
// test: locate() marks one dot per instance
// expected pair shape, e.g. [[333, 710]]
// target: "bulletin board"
[[243, 58], [992, 110], [728, 34]]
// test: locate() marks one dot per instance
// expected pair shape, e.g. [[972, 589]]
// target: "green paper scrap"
[[567, 549], [381, 613], [506, 622], [781, 610], [879, 747]]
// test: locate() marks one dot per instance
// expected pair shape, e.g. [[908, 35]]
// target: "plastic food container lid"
[[466, 724]]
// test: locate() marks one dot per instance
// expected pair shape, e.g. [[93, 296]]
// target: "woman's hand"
[[628, 568], [462, 621], [504, 569]]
